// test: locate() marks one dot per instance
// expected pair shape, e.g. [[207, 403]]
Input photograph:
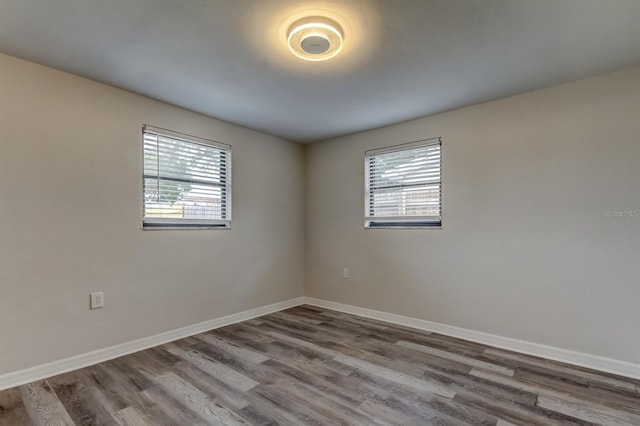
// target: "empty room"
[[340, 212]]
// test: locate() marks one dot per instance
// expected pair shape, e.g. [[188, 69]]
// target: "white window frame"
[[155, 223], [399, 221]]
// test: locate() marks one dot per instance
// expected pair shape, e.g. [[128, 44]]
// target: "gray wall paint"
[[70, 221], [526, 250]]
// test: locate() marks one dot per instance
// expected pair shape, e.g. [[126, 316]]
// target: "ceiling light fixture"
[[315, 38]]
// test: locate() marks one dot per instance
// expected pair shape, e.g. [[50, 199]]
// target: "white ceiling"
[[402, 58]]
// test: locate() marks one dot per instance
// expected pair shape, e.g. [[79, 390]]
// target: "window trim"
[[397, 222], [184, 224]]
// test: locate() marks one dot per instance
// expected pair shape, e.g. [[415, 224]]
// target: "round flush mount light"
[[315, 38]]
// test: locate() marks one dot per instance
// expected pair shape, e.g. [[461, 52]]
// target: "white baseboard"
[[595, 362], [39, 372]]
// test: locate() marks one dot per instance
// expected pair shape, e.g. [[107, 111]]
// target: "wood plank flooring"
[[318, 367]]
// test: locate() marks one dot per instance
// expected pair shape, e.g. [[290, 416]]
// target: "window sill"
[[402, 224], [403, 227], [156, 227]]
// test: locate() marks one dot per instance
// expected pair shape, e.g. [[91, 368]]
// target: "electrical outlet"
[[345, 273], [97, 300]]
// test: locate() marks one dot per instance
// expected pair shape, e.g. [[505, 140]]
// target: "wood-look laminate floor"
[[313, 366]]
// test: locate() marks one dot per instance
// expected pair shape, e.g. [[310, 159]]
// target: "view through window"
[[187, 181], [403, 186]]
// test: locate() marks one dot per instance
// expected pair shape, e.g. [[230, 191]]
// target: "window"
[[403, 186], [187, 181]]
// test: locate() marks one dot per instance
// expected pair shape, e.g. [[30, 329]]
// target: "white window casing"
[[403, 186], [186, 181]]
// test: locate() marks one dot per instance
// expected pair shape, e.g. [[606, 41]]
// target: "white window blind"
[[187, 181], [403, 185]]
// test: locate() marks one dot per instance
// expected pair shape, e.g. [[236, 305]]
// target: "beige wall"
[[70, 221], [526, 250]]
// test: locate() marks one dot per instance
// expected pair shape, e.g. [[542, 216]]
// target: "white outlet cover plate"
[[97, 300]]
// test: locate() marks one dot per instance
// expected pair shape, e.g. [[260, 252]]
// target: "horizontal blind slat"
[[404, 184], [184, 181]]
